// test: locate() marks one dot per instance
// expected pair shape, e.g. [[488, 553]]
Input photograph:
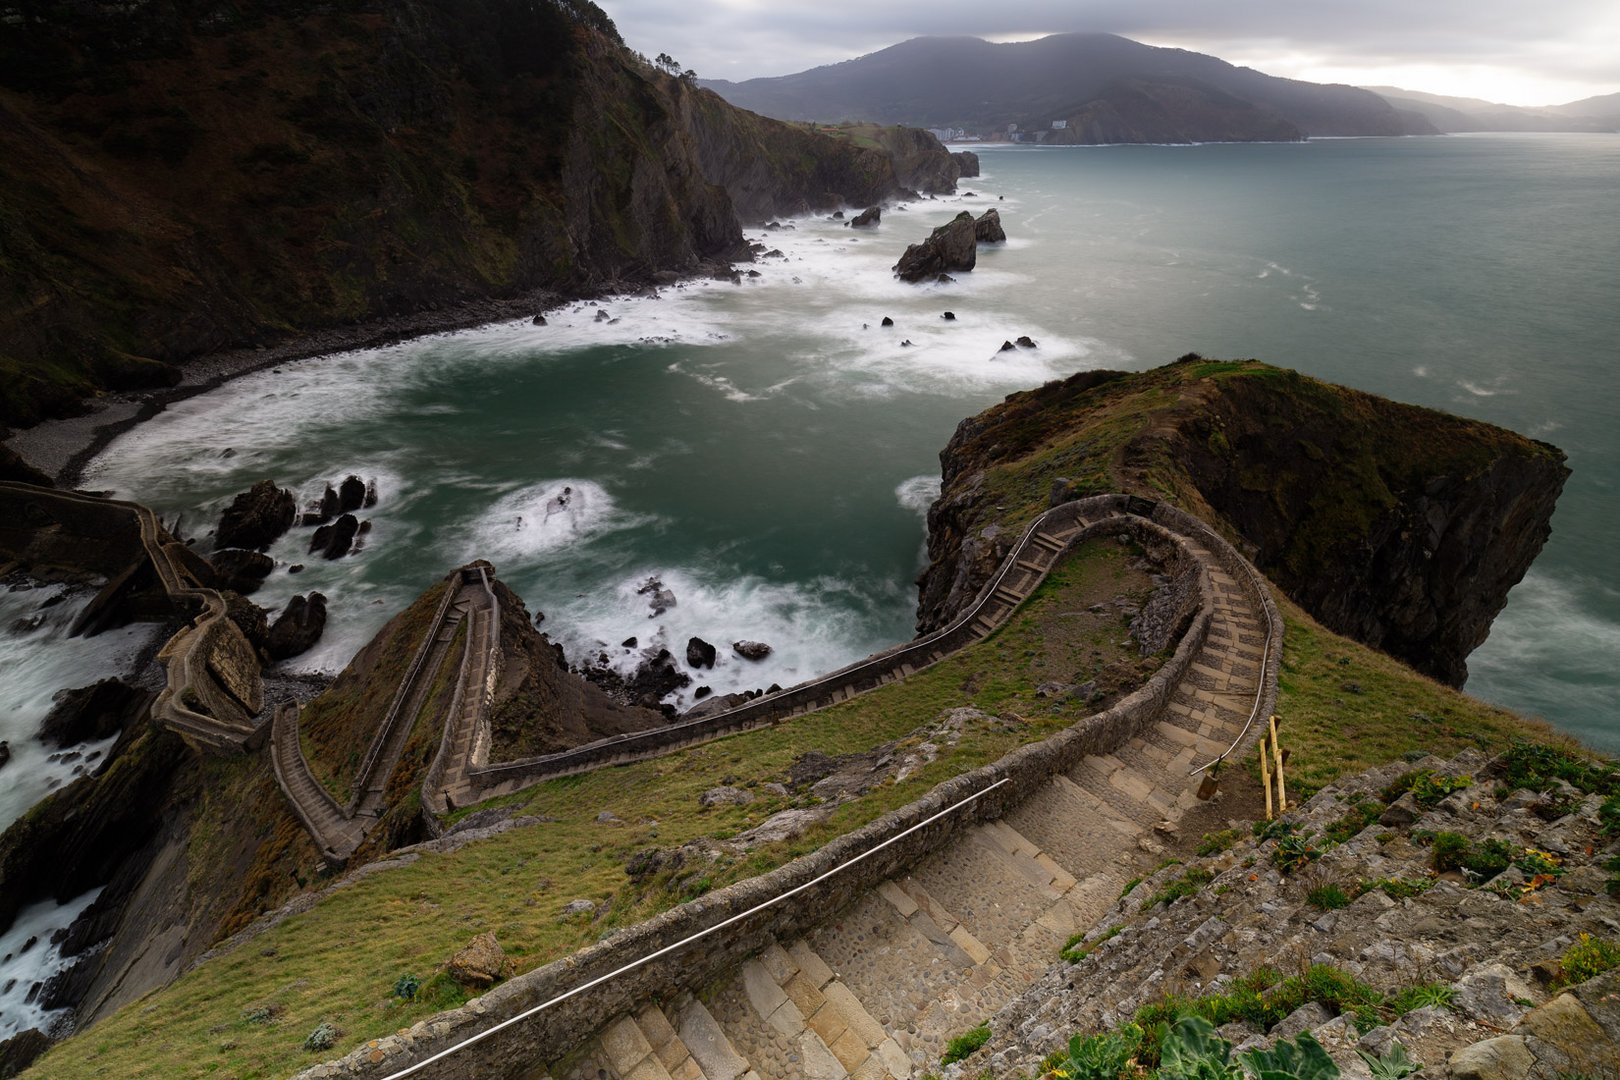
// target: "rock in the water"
[[1026, 342], [256, 517], [702, 692], [241, 570], [886, 321], [988, 230], [699, 653], [337, 539], [482, 963], [298, 627], [751, 650], [602, 315], [91, 712], [538, 320], [838, 215], [371, 494], [949, 316], [1007, 346], [950, 247], [968, 162], [867, 218], [628, 643], [656, 679], [351, 494], [5, 753], [659, 599]]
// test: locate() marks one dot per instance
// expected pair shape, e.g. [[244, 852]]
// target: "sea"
[[766, 451]]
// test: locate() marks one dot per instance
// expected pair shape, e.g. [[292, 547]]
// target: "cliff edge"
[[1400, 526]]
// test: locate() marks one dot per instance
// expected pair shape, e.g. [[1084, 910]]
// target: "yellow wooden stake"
[[1276, 749], [1265, 777]]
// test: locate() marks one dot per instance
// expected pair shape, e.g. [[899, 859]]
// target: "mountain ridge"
[[1101, 87]]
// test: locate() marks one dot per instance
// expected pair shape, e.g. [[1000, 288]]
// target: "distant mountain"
[[1071, 88], [1473, 114]]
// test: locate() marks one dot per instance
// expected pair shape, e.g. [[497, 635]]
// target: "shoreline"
[[62, 447]]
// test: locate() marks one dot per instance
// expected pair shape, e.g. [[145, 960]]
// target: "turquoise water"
[[768, 456]]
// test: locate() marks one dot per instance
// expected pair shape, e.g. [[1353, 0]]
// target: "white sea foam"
[[535, 522], [918, 493], [28, 957], [812, 627], [38, 659], [1550, 653]]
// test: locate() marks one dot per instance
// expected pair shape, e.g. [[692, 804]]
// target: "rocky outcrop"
[[90, 713], [337, 539], [298, 627], [240, 570], [751, 650], [481, 964], [987, 229], [967, 163], [699, 653], [952, 246], [256, 518], [867, 218], [1399, 526]]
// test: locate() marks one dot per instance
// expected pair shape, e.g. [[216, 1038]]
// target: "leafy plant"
[[965, 1044], [1214, 843], [1420, 996], [1189, 1049], [1328, 898], [1129, 885], [1536, 767], [1071, 951], [324, 1037], [1586, 958], [1396, 888], [1186, 885], [406, 987], [1294, 852], [1392, 1064], [1535, 862], [1100, 1057], [1301, 1060], [1429, 787]]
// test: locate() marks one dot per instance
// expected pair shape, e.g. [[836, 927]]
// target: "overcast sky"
[[1522, 52]]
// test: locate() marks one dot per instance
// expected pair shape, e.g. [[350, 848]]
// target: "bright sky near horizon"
[[1507, 51]]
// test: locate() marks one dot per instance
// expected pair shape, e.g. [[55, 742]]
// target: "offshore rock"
[[953, 246], [298, 627], [751, 650], [337, 539], [256, 517], [90, 713], [240, 570], [967, 162], [699, 653], [867, 218], [352, 494], [987, 229]]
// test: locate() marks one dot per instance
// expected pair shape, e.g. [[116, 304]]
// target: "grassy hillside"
[[246, 1013]]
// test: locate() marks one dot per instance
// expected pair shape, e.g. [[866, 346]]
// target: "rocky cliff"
[[1400, 526], [175, 180]]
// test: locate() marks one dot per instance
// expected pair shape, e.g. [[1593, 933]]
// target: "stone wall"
[[521, 1048]]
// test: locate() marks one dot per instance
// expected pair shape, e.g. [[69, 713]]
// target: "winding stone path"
[[875, 984], [339, 831]]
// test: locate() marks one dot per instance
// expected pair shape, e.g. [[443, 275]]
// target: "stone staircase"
[[879, 991]]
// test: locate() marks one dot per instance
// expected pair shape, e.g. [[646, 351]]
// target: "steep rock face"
[[967, 163], [175, 181], [952, 246], [1400, 526]]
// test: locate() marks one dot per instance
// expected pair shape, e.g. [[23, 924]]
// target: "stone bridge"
[[863, 958], [213, 692]]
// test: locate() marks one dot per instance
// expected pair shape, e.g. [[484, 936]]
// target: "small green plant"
[[1588, 957], [1187, 884], [1214, 843], [1392, 1064], [1328, 898], [1303, 1059], [1535, 863], [406, 987], [1099, 1057], [1294, 852], [1071, 951], [1396, 888], [1359, 817], [965, 1044], [1454, 851], [1420, 996], [1429, 787], [1129, 885], [324, 1037], [1537, 767]]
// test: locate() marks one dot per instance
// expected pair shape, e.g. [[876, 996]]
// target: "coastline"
[[62, 447]]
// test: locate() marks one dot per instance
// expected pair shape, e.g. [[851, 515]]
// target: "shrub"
[[1186, 885], [1588, 957], [1301, 1060], [1429, 787], [1214, 843], [1396, 888], [1189, 1049], [1071, 950], [1420, 996], [1294, 852], [1100, 1057], [1328, 898], [1393, 1064], [1536, 767], [406, 987], [324, 1037], [965, 1044]]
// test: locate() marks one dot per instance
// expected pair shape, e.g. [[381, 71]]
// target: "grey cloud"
[[740, 39]]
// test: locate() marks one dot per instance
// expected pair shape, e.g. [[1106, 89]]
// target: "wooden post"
[[1282, 789], [1265, 777]]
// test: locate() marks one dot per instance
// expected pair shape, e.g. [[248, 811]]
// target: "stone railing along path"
[[965, 900], [212, 692], [338, 831]]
